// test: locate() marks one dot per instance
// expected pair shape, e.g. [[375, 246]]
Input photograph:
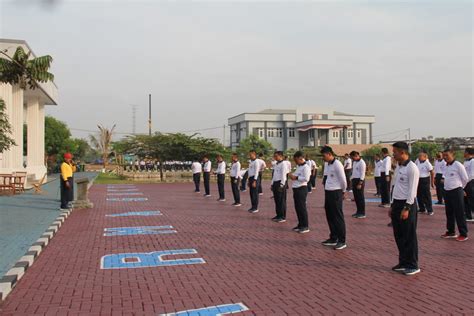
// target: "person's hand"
[[465, 193], [67, 184], [344, 195], [404, 214], [442, 180], [387, 178], [359, 187], [432, 185], [254, 184]]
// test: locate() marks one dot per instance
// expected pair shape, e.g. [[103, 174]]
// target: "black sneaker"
[[280, 220], [389, 224], [275, 218], [329, 242], [340, 246], [411, 271], [250, 210], [237, 204], [303, 230], [254, 211], [398, 268], [296, 229], [421, 211], [430, 213], [360, 216], [355, 215]]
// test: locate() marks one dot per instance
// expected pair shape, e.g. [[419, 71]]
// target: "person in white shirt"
[[207, 175], [403, 212], [455, 180], [196, 169], [439, 166], [312, 165], [335, 185], [253, 176], [348, 171], [279, 187], [300, 191], [386, 178], [425, 184], [377, 173], [359, 168], [261, 168], [220, 172], [235, 178], [469, 189]]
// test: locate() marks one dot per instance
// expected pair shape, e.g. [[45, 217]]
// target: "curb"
[[9, 280]]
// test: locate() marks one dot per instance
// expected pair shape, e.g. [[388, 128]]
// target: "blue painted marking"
[[122, 190], [379, 201], [142, 213], [127, 199], [148, 260], [212, 310], [143, 230]]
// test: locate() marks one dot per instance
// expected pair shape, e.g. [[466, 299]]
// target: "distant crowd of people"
[[154, 165], [404, 188]]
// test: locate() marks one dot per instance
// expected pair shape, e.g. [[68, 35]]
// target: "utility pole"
[[409, 140], [149, 114], [134, 119]]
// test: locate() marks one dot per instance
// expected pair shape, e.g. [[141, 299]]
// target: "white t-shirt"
[[406, 181], [424, 167], [196, 167]]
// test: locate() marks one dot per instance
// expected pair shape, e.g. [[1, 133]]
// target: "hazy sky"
[[410, 63]]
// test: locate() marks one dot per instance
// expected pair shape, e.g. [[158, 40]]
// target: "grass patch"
[[111, 178]]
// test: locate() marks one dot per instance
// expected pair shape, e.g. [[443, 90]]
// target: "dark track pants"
[[385, 189], [299, 197], [348, 173], [67, 194], [334, 214], [377, 184], [423, 195], [234, 182], [220, 185], [312, 183], [439, 187], [469, 199], [197, 181], [279, 196], [207, 180], [404, 232], [259, 182], [454, 203], [253, 193], [359, 196]]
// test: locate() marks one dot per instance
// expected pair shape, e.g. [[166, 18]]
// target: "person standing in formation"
[[300, 191], [439, 166], [253, 174], [358, 183], [261, 168], [279, 187], [196, 169], [313, 167], [235, 178], [403, 212], [335, 185], [455, 180], [386, 178], [377, 173], [220, 172], [207, 176], [348, 171], [425, 184], [469, 195]]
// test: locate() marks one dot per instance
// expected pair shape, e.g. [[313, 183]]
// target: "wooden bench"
[[7, 184], [19, 180], [37, 185]]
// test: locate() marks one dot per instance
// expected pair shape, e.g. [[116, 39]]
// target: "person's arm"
[[64, 171], [341, 176], [463, 175], [256, 166], [363, 169]]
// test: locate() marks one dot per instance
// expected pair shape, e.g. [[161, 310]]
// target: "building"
[[26, 107], [299, 128]]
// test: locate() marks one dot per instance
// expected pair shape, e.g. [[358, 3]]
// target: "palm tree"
[[5, 129], [103, 142], [24, 71]]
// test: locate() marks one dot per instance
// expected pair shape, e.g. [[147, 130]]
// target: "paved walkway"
[[229, 256], [24, 218]]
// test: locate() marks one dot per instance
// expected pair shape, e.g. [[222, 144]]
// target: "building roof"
[[277, 111]]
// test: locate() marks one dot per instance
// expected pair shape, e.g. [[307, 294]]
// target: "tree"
[[253, 142], [5, 129], [56, 136], [25, 71], [371, 152], [103, 142], [429, 147]]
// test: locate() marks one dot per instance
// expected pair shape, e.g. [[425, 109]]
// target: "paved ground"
[[24, 218], [248, 259]]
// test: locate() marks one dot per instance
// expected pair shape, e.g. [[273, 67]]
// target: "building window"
[[335, 134], [359, 133], [270, 132], [350, 133], [261, 133], [291, 132], [316, 116], [279, 132]]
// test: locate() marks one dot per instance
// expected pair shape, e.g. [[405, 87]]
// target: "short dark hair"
[[401, 145], [377, 155], [205, 156], [235, 154], [279, 153], [354, 153], [448, 150], [469, 151], [298, 154], [385, 150], [423, 151], [327, 150], [252, 151], [260, 155]]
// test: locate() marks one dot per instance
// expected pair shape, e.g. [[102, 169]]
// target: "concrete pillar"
[[16, 121], [6, 157], [35, 138]]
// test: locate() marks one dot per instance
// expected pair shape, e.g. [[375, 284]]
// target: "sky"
[[409, 63]]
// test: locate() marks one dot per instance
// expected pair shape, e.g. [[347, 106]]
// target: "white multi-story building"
[[25, 107], [302, 127]]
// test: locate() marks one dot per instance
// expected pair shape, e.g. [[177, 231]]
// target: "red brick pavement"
[[249, 259]]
